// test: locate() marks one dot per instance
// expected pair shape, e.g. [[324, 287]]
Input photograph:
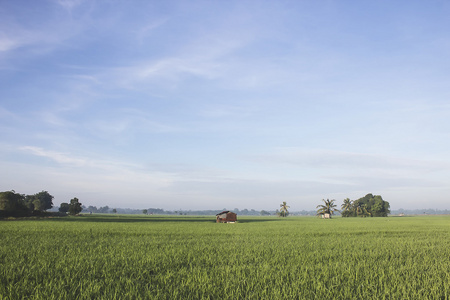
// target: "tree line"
[[14, 204], [367, 206], [19, 205]]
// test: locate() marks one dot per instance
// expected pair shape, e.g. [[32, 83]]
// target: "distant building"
[[326, 216], [226, 217]]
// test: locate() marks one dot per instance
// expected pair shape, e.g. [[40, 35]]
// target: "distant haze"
[[226, 104]]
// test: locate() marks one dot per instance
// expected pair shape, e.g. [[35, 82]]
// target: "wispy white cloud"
[[107, 169], [7, 114], [144, 32], [320, 158], [202, 59], [105, 183], [173, 68], [14, 36], [90, 78], [7, 43], [39, 36], [59, 157], [225, 111], [206, 55], [130, 123], [69, 4], [113, 169]]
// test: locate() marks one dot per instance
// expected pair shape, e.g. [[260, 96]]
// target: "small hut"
[[226, 217], [326, 216]]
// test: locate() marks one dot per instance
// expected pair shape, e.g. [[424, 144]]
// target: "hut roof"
[[224, 212]]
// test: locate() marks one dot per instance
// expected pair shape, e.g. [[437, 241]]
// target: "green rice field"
[[157, 257]]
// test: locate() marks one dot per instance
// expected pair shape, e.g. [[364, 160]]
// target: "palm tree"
[[362, 211], [329, 207], [347, 207], [284, 209]]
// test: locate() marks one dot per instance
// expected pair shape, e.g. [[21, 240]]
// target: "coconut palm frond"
[[284, 209], [329, 207]]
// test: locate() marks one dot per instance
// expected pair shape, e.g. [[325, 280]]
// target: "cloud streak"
[[61, 158], [320, 158]]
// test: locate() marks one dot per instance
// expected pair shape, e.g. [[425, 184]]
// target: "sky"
[[226, 104]]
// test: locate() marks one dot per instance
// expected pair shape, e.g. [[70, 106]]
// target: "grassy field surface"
[[156, 257]]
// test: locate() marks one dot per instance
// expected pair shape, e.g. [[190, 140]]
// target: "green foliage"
[[145, 211], [148, 257], [347, 208], [74, 207], [328, 207], [37, 205], [40, 201], [64, 207], [367, 206], [283, 210], [12, 204]]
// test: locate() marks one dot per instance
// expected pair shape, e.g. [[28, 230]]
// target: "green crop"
[[154, 257]]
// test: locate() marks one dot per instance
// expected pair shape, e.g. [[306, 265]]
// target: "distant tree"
[[64, 207], [12, 204], [103, 210], [362, 211], [329, 207], [40, 201], [29, 202], [114, 211], [264, 213], [38, 205], [284, 209], [380, 208], [145, 211], [156, 211], [347, 208], [74, 206], [371, 206]]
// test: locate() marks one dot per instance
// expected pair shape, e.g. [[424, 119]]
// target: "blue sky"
[[226, 104]]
